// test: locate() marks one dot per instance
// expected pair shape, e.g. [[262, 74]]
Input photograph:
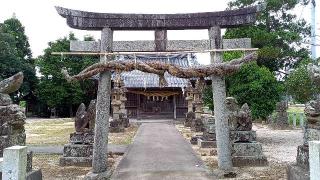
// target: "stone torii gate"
[[160, 23]]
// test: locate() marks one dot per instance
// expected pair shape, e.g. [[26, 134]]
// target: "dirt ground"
[[280, 147], [51, 170]]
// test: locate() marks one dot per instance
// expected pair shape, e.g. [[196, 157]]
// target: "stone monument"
[[190, 116], [245, 150], [281, 119], [78, 152], [12, 120], [197, 123], [119, 114], [208, 139]]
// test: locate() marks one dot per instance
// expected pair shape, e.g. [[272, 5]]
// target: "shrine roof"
[[138, 79]]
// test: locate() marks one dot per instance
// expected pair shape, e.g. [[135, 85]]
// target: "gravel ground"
[[280, 146]]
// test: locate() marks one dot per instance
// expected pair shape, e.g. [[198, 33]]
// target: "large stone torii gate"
[[107, 23]]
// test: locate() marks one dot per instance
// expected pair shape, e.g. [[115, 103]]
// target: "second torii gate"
[[107, 23]]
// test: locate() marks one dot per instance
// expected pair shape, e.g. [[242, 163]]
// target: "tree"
[[299, 84], [15, 56], [256, 86], [53, 90], [277, 33]]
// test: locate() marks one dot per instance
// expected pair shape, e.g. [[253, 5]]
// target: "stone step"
[[76, 161], [85, 138], [206, 144], [241, 161], [77, 150]]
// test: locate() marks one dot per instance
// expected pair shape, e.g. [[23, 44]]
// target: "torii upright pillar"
[[100, 146], [219, 97]]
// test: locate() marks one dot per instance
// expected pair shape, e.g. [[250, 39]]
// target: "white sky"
[[43, 24]]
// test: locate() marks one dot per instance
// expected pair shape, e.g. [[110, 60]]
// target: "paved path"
[[116, 149], [159, 152]]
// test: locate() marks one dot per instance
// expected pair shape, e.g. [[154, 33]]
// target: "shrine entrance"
[[160, 23]]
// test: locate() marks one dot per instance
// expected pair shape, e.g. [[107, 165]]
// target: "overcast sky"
[[43, 24]]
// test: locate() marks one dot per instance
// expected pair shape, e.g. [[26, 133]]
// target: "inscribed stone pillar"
[[314, 159], [219, 97], [99, 162]]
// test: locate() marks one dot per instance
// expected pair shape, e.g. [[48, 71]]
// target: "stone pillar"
[[160, 39], [14, 163], [314, 159], [174, 107], [219, 97], [99, 161]]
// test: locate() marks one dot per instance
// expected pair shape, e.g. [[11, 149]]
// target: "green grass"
[[57, 132]]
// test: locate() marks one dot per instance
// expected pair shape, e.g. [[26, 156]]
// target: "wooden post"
[[219, 98], [174, 107], [100, 146]]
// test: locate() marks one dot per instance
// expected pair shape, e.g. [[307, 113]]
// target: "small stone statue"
[[84, 120], [312, 111], [240, 119]]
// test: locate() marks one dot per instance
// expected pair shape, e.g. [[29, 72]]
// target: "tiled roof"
[[138, 79]]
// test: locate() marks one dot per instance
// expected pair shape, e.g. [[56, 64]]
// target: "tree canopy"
[[278, 33], [15, 56], [53, 90]]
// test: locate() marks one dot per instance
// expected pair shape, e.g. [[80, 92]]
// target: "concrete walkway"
[[159, 152]]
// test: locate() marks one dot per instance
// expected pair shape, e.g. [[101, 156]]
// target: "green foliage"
[[207, 97], [53, 89], [15, 56], [277, 33], [256, 86], [299, 84]]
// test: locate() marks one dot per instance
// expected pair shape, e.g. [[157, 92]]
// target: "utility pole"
[[313, 32]]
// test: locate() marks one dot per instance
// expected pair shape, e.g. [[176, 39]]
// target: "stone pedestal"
[[248, 154], [79, 150], [208, 139]]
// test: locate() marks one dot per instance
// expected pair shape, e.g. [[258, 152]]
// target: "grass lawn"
[[57, 132]]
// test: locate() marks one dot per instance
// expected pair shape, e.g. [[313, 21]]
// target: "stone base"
[[194, 139], [77, 150], [98, 176], [243, 136], [241, 161], [34, 175], [303, 156], [76, 161], [295, 172], [5, 99], [84, 138], [206, 144], [247, 149], [248, 154]]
